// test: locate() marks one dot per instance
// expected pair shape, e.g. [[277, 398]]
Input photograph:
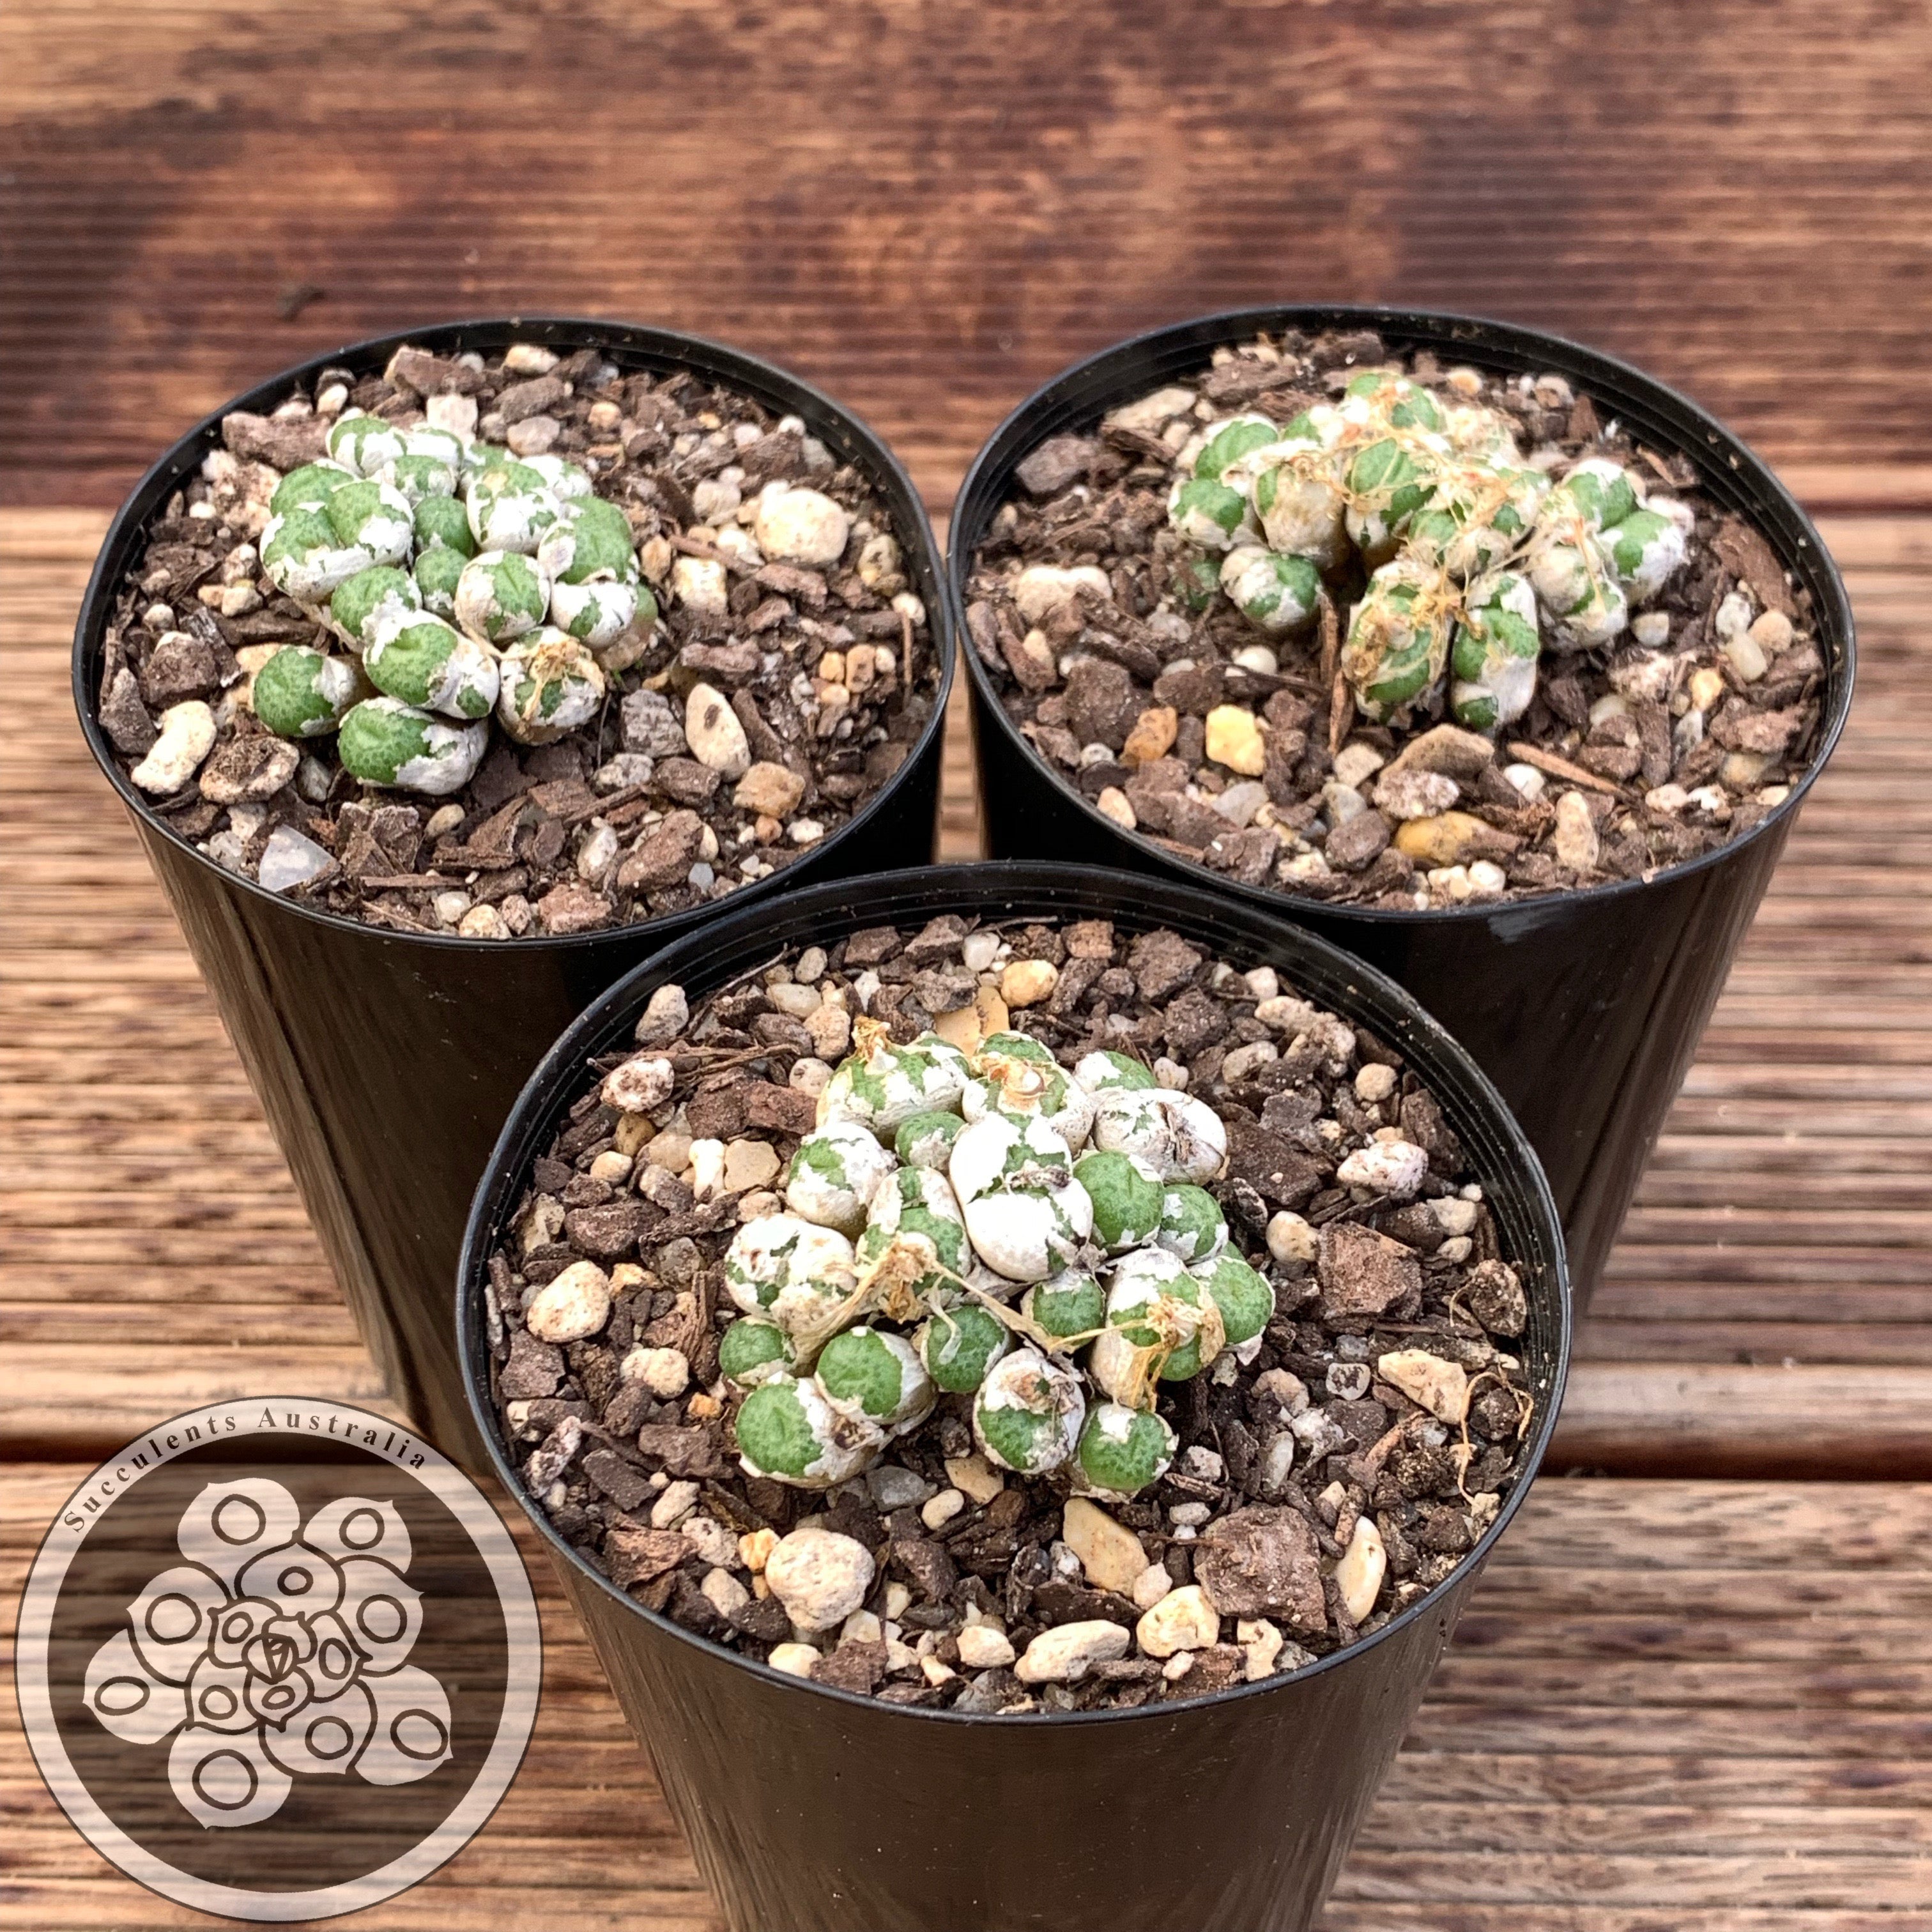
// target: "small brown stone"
[[180, 665], [665, 855], [782, 1110], [573, 908], [771, 788], [1263, 1563], [1364, 1273]]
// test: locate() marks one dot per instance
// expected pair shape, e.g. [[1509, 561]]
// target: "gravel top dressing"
[[1010, 1319], [525, 645], [1374, 630]]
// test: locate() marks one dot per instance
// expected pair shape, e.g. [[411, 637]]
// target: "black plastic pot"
[[1584, 1008], [386, 1063], [812, 1810]]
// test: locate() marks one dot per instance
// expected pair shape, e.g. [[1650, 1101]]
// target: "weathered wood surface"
[[1769, 1310], [1673, 1707], [1731, 193]]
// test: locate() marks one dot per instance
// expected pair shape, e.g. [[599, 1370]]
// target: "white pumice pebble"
[[574, 1305], [820, 1576], [187, 737], [800, 526]]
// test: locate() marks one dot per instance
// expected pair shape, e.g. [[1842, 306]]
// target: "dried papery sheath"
[[551, 685], [1398, 640]]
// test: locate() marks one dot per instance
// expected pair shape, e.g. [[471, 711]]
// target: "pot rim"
[[543, 1099], [1835, 625], [647, 345]]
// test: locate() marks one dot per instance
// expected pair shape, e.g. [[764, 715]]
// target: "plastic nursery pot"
[[813, 1810], [1585, 1008], [386, 1062]]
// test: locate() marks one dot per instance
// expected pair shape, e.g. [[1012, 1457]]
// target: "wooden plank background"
[[1694, 1695], [930, 208]]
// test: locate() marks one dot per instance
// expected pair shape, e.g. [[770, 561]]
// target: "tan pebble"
[[1065, 1654], [830, 1027], [755, 1549], [750, 1164], [1440, 1387], [936, 1512], [1291, 1238], [611, 1168], [1027, 982], [795, 1660], [1745, 655], [772, 789], [1443, 840], [983, 1648], [1183, 1619], [1359, 1574], [1151, 1585], [1262, 1643], [1113, 803], [1707, 686], [1741, 770], [1234, 739], [820, 1577], [716, 736], [1152, 735], [975, 1477], [1109, 1552], [1575, 839], [1772, 632], [966, 1026]]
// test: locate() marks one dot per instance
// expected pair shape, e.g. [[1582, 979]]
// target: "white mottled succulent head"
[[791, 1270], [501, 595], [363, 443], [429, 662], [381, 598], [1181, 1138], [1154, 1304], [1027, 1414], [1121, 1450], [511, 505], [1494, 654], [877, 1375], [1026, 1214], [914, 1210], [787, 1430], [384, 742], [881, 1084], [549, 685], [1021, 1078], [834, 1175], [1398, 640], [299, 693]]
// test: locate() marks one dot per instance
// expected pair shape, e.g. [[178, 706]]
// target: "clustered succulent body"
[[987, 1222], [1477, 560], [464, 582]]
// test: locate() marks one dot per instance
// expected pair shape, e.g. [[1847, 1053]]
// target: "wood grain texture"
[[1672, 1707], [1730, 194], [1769, 1309]]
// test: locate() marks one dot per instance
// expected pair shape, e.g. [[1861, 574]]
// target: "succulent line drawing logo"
[[276, 1650]]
